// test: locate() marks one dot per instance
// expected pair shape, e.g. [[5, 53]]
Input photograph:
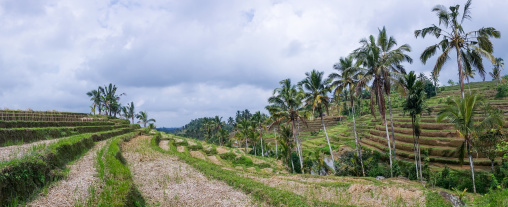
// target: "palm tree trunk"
[[383, 115], [471, 164], [461, 73], [246, 146], [294, 138], [327, 139], [299, 148], [391, 122], [276, 152], [262, 150], [414, 147], [419, 157], [358, 147]]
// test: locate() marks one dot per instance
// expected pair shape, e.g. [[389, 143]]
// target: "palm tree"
[[317, 87], [469, 46], [258, 119], [110, 98], [496, 71], [382, 63], [130, 111], [435, 79], [143, 118], [460, 112], [95, 96], [414, 105], [286, 102], [242, 128], [450, 81], [347, 78], [286, 144]]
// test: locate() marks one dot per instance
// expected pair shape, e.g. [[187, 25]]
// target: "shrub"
[[243, 160], [502, 90], [228, 156]]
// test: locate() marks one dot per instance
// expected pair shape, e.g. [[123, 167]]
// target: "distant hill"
[[168, 130]]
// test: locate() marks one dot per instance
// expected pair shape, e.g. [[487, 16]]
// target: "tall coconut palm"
[[317, 87], [382, 64], [347, 78], [286, 102], [496, 71], [259, 119], [110, 98], [461, 113], [242, 128], [469, 46], [414, 105], [130, 111], [143, 118], [95, 96]]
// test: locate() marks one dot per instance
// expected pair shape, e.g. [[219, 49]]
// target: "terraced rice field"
[[440, 140]]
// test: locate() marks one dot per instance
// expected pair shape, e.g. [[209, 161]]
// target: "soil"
[[163, 180]]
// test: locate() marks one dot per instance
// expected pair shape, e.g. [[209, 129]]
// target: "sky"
[[182, 60]]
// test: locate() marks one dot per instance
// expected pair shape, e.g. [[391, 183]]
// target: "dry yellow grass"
[[163, 180], [164, 144]]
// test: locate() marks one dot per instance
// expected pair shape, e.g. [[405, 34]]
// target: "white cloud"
[[181, 60]]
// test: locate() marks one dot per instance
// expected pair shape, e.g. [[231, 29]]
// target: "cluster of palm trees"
[[250, 129], [376, 67], [105, 99], [215, 130]]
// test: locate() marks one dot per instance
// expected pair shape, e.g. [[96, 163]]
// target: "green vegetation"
[[118, 189]]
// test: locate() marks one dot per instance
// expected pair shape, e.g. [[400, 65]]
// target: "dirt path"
[[17, 151], [74, 188], [163, 180]]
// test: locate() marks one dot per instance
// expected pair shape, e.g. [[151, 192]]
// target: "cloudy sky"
[[180, 60]]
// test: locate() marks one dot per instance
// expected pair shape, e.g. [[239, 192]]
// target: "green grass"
[[118, 188]]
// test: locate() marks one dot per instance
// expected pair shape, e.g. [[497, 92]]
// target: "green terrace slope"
[[440, 140], [36, 146]]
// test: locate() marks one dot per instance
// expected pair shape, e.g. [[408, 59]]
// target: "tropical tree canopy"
[[470, 47]]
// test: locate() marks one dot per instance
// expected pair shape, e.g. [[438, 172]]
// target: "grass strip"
[[272, 196], [119, 188], [22, 178]]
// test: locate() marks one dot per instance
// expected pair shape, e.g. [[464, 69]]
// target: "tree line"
[[106, 99]]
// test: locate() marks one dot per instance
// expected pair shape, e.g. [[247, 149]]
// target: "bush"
[[228, 156], [502, 90], [461, 179], [243, 160]]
